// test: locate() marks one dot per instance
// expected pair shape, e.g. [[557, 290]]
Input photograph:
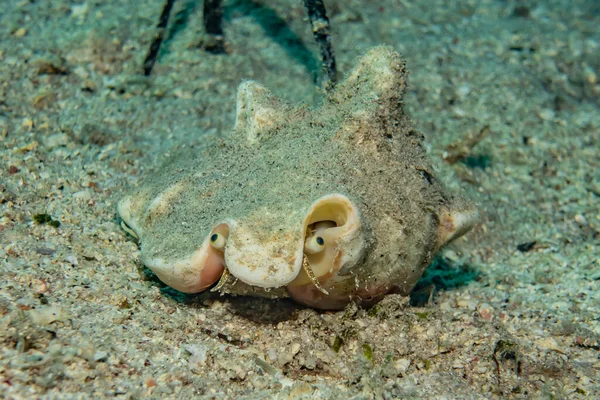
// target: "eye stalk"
[[218, 241], [314, 244]]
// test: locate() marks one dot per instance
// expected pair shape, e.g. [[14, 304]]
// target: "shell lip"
[[455, 223], [125, 219], [202, 269], [269, 262]]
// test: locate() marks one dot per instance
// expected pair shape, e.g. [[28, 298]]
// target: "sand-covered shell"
[[326, 205]]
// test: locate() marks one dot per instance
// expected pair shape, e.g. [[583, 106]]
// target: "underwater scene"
[[287, 199]]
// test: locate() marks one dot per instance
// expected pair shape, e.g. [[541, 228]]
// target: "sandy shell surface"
[[507, 94]]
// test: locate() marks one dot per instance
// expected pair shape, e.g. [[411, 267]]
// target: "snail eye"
[[314, 244], [218, 241]]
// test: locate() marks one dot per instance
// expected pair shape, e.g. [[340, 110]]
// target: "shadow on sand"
[[272, 24], [442, 274]]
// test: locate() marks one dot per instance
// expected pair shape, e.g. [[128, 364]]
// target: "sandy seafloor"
[[80, 126]]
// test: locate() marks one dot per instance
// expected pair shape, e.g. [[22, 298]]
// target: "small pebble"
[[150, 382], [485, 311], [546, 114], [590, 75], [39, 286], [47, 315], [272, 355], [295, 348], [402, 365], [466, 302], [100, 356], [451, 255], [79, 11], [55, 349], [58, 139], [584, 380], [3, 127], [460, 113], [20, 32], [547, 343], [72, 260], [45, 251], [580, 220], [463, 91], [83, 195]]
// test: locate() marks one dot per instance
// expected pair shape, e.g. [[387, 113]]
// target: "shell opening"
[[328, 221]]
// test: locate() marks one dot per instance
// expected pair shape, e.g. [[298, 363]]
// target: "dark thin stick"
[[213, 17], [213, 25], [160, 34], [321, 31]]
